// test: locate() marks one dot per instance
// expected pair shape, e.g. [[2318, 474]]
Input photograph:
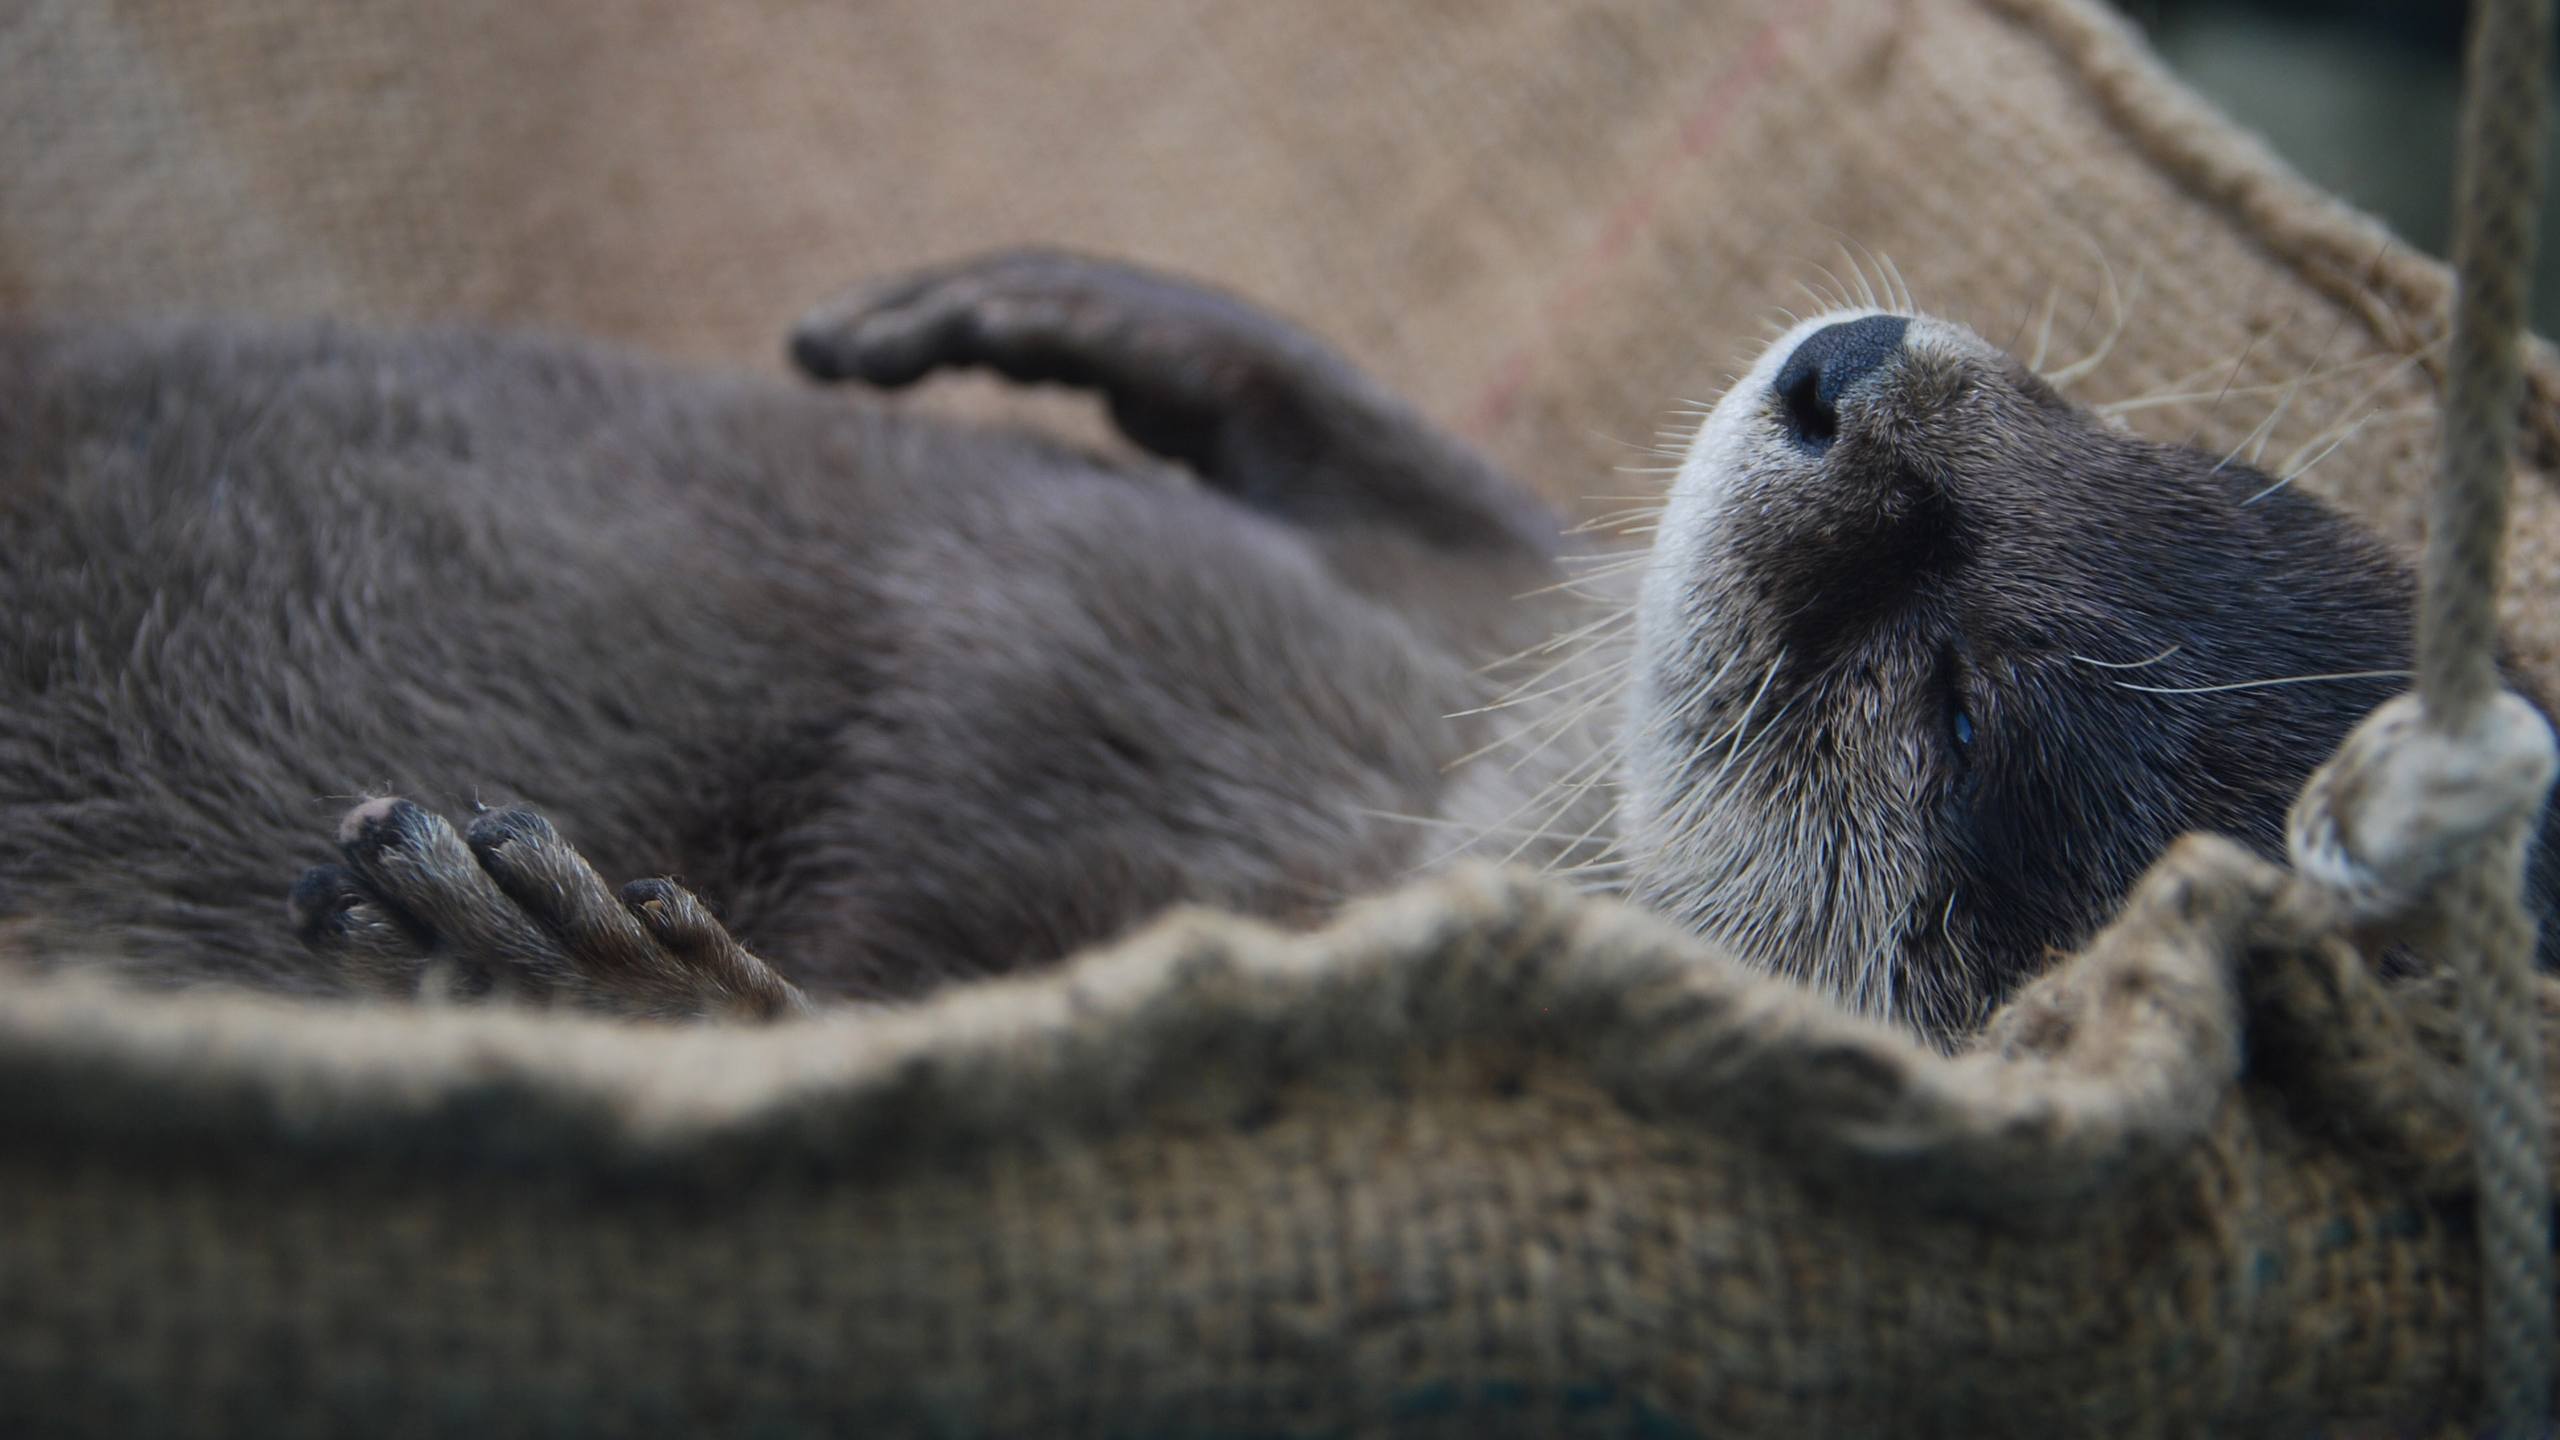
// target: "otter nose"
[[1825, 365]]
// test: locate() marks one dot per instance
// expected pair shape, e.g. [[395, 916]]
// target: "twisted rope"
[[2479, 917]]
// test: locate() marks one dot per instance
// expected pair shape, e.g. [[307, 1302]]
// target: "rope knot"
[[2406, 802]]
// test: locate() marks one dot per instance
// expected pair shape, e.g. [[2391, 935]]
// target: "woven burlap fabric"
[[1486, 1159]]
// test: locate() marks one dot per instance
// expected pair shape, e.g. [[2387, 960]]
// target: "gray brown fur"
[[910, 702], [1964, 542]]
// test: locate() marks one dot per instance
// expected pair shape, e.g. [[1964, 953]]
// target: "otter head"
[[1931, 663]]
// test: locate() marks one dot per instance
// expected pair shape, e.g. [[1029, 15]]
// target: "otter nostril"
[[1825, 365]]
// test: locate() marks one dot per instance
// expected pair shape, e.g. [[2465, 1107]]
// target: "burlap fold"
[[1485, 1158]]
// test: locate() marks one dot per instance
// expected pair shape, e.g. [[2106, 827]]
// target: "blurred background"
[[2358, 94], [1554, 225]]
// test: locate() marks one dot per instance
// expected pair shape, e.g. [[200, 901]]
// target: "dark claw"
[[511, 825], [319, 901]]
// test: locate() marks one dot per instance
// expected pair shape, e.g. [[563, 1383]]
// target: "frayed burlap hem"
[[1521, 1161]]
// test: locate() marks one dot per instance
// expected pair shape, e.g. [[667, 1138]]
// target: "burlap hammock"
[[1486, 1157]]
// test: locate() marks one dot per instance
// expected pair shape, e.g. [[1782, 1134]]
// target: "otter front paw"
[[514, 911], [1257, 407], [1189, 371]]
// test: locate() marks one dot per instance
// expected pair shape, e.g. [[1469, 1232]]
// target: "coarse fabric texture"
[[1548, 224], [1484, 1159]]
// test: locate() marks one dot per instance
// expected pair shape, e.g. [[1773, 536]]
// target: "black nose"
[[1823, 368]]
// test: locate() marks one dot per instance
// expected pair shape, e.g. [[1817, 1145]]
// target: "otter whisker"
[[1610, 857], [2257, 434], [2044, 327], [1910, 304], [1884, 281], [1766, 737], [1690, 812], [2118, 311], [2017, 331], [2175, 394], [1601, 755], [2225, 392], [1572, 794], [2261, 684], [2256, 441], [1835, 298], [1558, 641], [1866, 292], [1596, 557], [1607, 815], [1589, 594], [1646, 514], [1608, 878], [1735, 731], [2295, 466], [1614, 521], [1442, 822], [1575, 583], [1641, 447], [1563, 725], [2130, 664], [1564, 687], [1562, 719], [1521, 692], [2329, 440]]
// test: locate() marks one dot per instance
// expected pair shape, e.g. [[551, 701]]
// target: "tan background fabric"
[[1547, 223]]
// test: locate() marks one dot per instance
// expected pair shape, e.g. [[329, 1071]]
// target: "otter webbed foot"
[[515, 912], [1257, 407]]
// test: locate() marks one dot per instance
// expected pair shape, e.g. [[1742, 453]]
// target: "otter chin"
[[1930, 663]]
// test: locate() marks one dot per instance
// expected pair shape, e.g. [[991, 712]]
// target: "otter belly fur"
[[1926, 664]]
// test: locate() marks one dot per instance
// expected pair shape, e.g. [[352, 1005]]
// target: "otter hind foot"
[[516, 912]]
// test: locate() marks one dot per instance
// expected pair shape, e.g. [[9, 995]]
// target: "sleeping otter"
[[1926, 667]]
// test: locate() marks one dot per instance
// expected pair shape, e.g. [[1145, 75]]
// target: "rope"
[[2479, 918]]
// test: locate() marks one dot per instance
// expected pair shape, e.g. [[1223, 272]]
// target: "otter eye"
[[1954, 690]]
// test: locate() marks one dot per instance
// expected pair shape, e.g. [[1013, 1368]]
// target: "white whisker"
[[2262, 684], [2044, 328], [2130, 664], [1564, 687], [2118, 309]]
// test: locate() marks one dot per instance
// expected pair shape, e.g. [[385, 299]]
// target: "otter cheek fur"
[[1930, 664]]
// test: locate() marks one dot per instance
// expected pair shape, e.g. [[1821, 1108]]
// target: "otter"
[[1926, 664]]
